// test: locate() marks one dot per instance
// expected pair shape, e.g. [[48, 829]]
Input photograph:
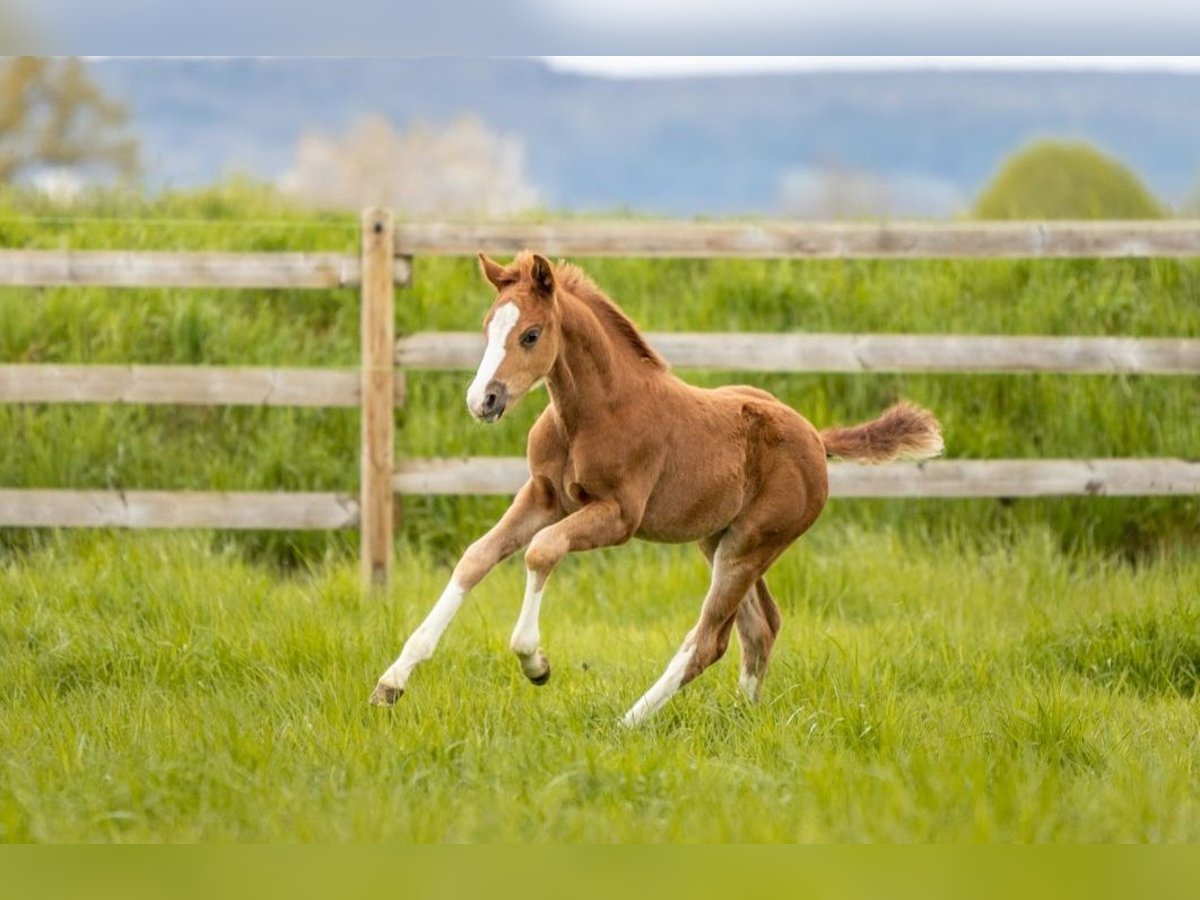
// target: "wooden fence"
[[376, 387]]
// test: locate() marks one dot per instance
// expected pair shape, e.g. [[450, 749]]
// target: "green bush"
[[1065, 180]]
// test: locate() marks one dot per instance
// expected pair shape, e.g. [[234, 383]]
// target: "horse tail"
[[904, 431]]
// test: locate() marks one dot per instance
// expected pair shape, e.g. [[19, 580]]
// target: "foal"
[[625, 449]]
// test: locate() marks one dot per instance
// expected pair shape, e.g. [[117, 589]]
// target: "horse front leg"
[[532, 509], [600, 523]]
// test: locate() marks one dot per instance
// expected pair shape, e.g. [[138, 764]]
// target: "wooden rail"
[[749, 352], [959, 478], [896, 240], [107, 268], [502, 476], [176, 509], [184, 385]]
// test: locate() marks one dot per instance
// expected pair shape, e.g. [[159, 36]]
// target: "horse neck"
[[596, 373]]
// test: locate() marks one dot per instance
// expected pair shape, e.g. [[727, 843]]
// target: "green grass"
[[949, 670], [151, 689]]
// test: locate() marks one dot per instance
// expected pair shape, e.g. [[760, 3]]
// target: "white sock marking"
[[420, 646], [503, 321], [525, 637], [663, 689], [749, 685]]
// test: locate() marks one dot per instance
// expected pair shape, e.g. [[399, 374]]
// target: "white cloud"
[[666, 66]]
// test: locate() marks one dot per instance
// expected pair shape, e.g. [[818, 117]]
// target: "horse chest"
[[559, 471], [571, 477], [571, 491]]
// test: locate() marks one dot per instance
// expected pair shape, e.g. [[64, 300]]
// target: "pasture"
[[923, 689], [948, 670]]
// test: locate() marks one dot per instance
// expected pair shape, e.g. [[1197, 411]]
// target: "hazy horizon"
[[906, 141]]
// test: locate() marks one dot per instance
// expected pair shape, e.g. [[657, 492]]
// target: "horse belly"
[[727, 447], [693, 501]]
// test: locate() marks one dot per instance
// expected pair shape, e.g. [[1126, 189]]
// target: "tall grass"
[[151, 689]]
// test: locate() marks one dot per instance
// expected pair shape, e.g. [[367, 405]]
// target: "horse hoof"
[[383, 695], [543, 678]]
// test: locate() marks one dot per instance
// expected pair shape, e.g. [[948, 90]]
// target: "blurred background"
[[817, 138]]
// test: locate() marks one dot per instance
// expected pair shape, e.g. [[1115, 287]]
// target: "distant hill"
[[719, 145]]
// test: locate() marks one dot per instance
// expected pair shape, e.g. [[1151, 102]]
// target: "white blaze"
[[503, 322]]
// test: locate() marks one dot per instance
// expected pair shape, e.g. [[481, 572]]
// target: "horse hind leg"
[[734, 573], [758, 622], [703, 646]]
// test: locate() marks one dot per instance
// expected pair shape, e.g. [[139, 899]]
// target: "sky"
[[534, 27]]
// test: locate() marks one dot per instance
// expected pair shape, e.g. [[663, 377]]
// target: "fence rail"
[[107, 268], [898, 240], [384, 262], [959, 478], [748, 352], [501, 476], [184, 385], [177, 509]]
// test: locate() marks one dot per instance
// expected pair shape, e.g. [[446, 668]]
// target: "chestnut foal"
[[625, 449]]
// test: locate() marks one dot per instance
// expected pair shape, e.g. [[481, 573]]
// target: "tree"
[[463, 168], [1065, 180], [53, 116]]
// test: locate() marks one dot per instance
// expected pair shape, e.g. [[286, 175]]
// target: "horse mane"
[[576, 281]]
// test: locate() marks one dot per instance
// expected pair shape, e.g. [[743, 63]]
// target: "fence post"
[[376, 502]]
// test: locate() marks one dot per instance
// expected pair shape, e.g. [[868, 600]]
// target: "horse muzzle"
[[490, 406]]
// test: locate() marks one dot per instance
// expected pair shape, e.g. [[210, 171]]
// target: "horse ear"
[[498, 275], [543, 275]]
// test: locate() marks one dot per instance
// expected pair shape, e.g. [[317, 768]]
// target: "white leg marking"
[[664, 688], [420, 646], [525, 637], [503, 321], [749, 685]]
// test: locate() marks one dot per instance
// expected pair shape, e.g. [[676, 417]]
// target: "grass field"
[[153, 690], [972, 670]]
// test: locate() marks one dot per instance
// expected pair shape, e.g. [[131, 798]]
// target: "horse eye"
[[529, 338]]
